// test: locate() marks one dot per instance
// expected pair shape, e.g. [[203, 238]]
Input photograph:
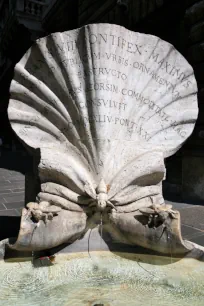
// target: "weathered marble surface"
[[104, 104]]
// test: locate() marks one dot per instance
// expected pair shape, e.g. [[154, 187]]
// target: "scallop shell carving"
[[103, 104], [100, 96]]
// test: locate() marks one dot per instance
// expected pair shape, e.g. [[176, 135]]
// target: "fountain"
[[105, 106]]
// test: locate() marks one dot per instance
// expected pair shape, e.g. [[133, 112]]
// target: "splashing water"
[[169, 238], [101, 227], [89, 243], [32, 259]]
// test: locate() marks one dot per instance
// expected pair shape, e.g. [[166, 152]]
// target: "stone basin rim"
[[196, 256]]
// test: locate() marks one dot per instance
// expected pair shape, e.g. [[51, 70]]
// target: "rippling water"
[[104, 279]]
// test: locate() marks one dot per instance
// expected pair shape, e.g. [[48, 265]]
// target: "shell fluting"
[[102, 101]]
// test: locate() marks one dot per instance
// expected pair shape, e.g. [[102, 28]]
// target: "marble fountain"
[[104, 106]]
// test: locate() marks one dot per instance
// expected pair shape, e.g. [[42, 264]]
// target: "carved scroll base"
[[130, 228], [164, 237], [66, 227]]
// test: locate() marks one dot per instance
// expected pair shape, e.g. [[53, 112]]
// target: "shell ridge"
[[67, 76], [59, 201], [49, 63], [68, 138], [41, 126], [174, 118], [122, 178], [144, 110], [91, 129], [42, 89], [127, 196], [74, 108], [58, 105], [64, 192], [70, 171], [171, 102], [67, 94], [39, 105], [39, 108], [176, 124], [35, 102]]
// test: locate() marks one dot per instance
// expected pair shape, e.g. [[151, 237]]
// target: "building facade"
[[178, 22]]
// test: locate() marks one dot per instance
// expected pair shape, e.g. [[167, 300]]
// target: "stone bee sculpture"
[[100, 197], [43, 211], [105, 106]]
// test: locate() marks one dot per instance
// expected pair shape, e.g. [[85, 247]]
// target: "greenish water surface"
[[103, 278]]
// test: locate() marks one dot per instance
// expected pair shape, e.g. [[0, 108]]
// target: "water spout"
[[169, 238], [101, 230]]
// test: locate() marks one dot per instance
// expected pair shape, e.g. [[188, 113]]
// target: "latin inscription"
[[103, 72], [106, 80], [170, 69], [85, 57], [129, 125], [111, 39], [104, 103]]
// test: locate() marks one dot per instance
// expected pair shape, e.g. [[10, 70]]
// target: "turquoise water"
[[103, 279]]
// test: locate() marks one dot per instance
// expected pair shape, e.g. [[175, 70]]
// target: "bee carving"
[[100, 196]]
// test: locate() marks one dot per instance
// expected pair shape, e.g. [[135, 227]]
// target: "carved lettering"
[[115, 40], [100, 102], [116, 58], [102, 72], [171, 70], [102, 86], [155, 76]]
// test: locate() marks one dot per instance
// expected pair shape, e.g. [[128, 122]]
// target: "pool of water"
[[103, 278]]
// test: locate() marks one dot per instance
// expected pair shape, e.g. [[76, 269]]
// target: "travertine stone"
[[105, 106]]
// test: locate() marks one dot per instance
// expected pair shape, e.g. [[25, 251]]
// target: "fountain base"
[[103, 278]]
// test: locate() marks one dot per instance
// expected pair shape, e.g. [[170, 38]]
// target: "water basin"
[[103, 278]]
